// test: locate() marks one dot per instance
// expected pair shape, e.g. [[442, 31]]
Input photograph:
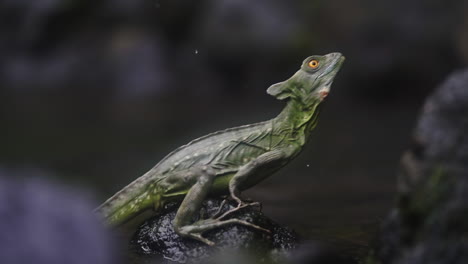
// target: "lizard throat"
[[299, 119]]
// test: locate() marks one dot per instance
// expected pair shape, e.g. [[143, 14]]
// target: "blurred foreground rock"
[[430, 224], [45, 223]]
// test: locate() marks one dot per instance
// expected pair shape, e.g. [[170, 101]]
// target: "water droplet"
[[196, 51], [307, 165]]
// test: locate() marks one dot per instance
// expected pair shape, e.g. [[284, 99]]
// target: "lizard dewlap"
[[230, 160]]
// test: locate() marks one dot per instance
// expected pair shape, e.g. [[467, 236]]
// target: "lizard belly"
[[221, 183]]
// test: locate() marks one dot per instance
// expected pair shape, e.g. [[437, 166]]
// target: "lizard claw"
[[239, 206], [204, 240], [220, 209]]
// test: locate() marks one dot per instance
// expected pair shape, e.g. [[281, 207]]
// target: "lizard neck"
[[297, 120]]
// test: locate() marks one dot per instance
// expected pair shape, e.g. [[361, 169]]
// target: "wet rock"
[[429, 224], [157, 239]]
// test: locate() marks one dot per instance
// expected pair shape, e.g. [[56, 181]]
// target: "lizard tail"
[[115, 216], [128, 202]]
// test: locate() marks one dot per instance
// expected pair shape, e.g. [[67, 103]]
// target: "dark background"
[[94, 93]]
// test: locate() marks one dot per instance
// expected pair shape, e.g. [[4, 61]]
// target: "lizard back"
[[220, 150]]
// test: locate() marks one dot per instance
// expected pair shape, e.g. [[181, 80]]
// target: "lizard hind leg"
[[191, 206]]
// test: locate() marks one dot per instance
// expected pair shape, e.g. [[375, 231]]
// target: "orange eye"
[[313, 64]]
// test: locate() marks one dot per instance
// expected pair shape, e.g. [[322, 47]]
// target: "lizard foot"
[[196, 229], [240, 205], [220, 209]]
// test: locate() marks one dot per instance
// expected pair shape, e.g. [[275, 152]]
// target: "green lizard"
[[231, 160]]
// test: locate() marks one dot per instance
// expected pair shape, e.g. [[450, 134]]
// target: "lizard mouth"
[[325, 90], [334, 66], [330, 73]]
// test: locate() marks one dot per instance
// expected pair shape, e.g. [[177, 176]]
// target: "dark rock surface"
[[157, 238], [430, 224]]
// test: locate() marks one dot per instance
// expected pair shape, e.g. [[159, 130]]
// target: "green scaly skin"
[[231, 160]]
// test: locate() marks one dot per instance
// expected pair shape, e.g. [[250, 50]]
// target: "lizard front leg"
[[271, 158], [191, 205]]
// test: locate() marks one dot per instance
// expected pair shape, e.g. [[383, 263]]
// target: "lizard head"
[[311, 83]]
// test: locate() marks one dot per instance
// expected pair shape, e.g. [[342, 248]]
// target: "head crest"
[[279, 90]]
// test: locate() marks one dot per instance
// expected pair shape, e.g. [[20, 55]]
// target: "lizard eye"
[[313, 64]]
